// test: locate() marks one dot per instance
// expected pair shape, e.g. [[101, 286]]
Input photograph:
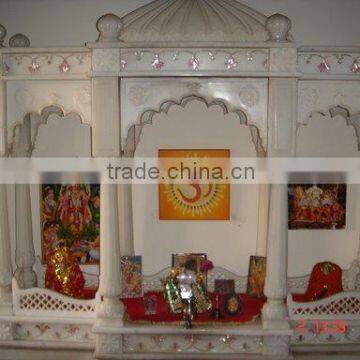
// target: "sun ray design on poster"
[[194, 200]]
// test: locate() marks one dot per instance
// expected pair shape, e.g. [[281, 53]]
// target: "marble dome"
[[194, 21]]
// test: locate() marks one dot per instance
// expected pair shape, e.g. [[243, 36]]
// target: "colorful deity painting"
[[256, 276], [194, 199], [70, 216], [317, 206]]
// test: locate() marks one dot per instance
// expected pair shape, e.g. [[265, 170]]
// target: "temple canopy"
[[194, 21]]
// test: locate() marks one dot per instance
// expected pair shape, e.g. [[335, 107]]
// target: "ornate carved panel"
[[320, 96], [340, 139], [46, 63], [250, 95], [193, 344], [161, 61], [25, 97], [53, 332], [329, 63]]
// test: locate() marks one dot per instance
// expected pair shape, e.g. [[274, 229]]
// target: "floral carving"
[[186, 59], [45, 63], [107, 60], [276, 345], [24, 97], [82, 96], [194, 86], [138, 95], [283, 59], [316, 62], [249, 96], [190, 343], [49, 331], [6, 331], [109, 344]]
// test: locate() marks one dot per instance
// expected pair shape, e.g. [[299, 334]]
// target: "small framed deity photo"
[[131, 276], [256, 276], [192, 261]]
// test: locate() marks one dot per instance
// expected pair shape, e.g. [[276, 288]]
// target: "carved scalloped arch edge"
[[337, 110], [44, 114], [147, 116]]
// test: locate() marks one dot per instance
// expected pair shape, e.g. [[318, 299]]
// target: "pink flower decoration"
[[194, 63], [157, 64], [323, 66], [64, 67], [34, 66], [206, 266], [231, 62], [355, 67]]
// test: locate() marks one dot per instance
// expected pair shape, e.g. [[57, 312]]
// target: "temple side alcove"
[[307, 247], [194, 124], [48, 134]]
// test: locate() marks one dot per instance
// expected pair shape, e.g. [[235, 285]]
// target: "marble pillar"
[[24, 252], [106, 143], [5, 248], [263, 219], [110, 306], [274, 312]]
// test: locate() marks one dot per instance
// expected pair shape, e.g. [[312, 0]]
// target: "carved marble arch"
[[351, 120], [134, 133], [342, 134], [29, 137]]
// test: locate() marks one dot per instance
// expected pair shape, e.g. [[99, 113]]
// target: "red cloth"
[[63, 274], [135, 309], [325, 281]]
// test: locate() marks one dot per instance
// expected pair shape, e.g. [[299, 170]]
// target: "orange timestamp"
[[322, 327]]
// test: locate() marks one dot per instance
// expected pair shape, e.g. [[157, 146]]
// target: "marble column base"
[[275, 315]]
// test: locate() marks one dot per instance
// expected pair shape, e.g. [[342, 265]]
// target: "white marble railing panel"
[[341, 306], [47, 303], [295, 284]]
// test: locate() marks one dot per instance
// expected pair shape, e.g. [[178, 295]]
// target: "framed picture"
[[131, 276], [320, 206], [223, 286], [194, 200], [256, 276], [70, 216], [193, 261], [232, 304]]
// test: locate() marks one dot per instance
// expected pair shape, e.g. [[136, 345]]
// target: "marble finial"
[[19, 41], [109, 27], [278, 27]]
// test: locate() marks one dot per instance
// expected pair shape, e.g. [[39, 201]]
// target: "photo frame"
[[256, 276], [319, 206], [70, 216], [193, 200], [131, 276], [224, 286], [179, 260]]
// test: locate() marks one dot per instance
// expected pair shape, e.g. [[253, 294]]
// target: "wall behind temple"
[[315, 22], [72, 22]]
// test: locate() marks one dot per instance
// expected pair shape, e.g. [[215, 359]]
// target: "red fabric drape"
[[136, 312], [325, 280]]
